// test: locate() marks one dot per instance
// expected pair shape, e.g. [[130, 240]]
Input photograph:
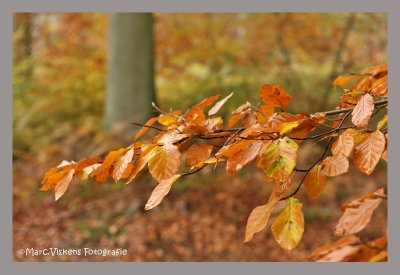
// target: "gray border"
[[9, 267]]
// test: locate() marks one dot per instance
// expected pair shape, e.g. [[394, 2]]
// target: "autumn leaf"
[[380, 87], [275, 95], [367, 153], [144, 129], [385, 152], [315, 181], [122, 164], [287, 127], [145, 155], [164, 162], [259, 216], [278, 159], [102, 172], [288, 226], [198, 153], [336, 251], [343, 80], [160, 192], [219, 104], [56, 174], [83, 163], [363, 111], [382, 122], [63, 184], [358, 213], [207, 101], [335, 165], [343, 145], [241, 154]]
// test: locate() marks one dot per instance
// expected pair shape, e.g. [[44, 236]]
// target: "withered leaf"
[[363, 111], [198, 153], [367, 153], [358, 213]]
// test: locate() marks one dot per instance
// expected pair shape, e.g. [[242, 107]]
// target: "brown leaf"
[[363, 111], [275, 95], [122, 164], [335, 165], [315, 182], [343, 145], [336, 251], [164, 162], [258, 218], [160, 192], [358, 213], [198, 153], [218, 105], [367, 153]]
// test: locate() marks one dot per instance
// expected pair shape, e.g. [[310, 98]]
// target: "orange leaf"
[[160, 192], [358, 213], [164, 162], [198, 153], [241, 154], [335, 165], [83, 163], [343, 145], [122, 164], [144, 129], [343, 80], [363, 111], [368, 152], [207, 101], [102, 172], [56, 174], [145, 155], [219, 104], [258, 218], [315, 182], [275, 95]]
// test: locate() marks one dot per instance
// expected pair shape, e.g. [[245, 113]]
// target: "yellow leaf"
[[382, 122], [287, 127], [288, 227], [278, 158]]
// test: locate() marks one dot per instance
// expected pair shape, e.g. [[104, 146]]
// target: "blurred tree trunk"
[[22, 23], [130, 88]]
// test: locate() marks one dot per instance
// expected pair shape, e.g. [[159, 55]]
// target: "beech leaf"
[[363, 111], [164, 162], [219, 104], [198, 153], [335, 165], [367, 152], [315, 181], [275, 95], [288, 226], [160, 192]]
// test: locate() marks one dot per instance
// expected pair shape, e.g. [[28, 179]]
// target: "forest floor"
[[203, 218]]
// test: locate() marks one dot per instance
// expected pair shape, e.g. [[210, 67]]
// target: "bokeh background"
[[75, 91]]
